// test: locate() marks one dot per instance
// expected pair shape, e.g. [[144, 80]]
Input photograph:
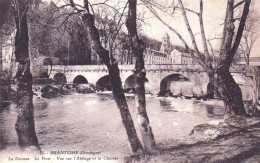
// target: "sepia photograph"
[[129, 81]]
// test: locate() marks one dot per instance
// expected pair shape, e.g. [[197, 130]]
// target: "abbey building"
[[167, 54]]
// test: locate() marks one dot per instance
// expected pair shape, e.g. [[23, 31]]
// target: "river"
[[91, 122]]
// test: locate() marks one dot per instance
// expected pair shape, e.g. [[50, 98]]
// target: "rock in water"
[[85, 88], [50, 91]]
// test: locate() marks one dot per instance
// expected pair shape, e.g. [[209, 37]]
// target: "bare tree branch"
[[203, 37], [239, 30], [201, 56], [228, 32], [239, 3]]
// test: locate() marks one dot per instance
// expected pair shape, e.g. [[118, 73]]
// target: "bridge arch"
[[104, 83], [130, 82], [80, 80], [165, 84], [60, 78]]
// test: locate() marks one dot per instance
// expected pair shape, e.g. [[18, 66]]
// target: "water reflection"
[[92, 121]]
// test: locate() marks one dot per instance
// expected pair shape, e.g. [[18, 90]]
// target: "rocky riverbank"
[[233, 140], [53, 91]]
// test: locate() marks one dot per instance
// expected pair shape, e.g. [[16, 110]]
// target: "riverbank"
[[228, 141]]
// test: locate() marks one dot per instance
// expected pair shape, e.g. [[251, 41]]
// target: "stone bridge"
[[187, 79]]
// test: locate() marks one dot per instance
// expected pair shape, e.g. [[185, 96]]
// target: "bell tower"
[[165, 47]]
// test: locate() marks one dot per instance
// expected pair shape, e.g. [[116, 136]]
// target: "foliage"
[[56, 32]]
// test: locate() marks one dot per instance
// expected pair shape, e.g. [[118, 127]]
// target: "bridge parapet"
[[175, 67], [62, 68]]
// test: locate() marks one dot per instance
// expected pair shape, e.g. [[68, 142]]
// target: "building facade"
[[156, 57], [167, 54], [181, 58]]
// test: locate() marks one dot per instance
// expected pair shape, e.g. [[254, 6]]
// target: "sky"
[[214, 11]]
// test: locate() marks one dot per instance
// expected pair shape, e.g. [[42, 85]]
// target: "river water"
[[91, 122]]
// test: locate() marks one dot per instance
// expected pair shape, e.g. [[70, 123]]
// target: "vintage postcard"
[[129, 81]]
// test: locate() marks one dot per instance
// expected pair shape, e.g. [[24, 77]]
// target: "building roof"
[[157, 51]]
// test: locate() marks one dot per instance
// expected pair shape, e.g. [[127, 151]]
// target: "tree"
[[217, 67], [138, 48], [79, 52], [111, 63], [54, 29], [109, 22], [24, 126], [41, 30]]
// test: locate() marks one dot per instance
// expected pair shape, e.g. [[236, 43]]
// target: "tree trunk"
[[84, 49], [24, 126], [210, 87], [120, 99], [229, 91], [227, 87], [142, 117], [118, 93], [139, 74]]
